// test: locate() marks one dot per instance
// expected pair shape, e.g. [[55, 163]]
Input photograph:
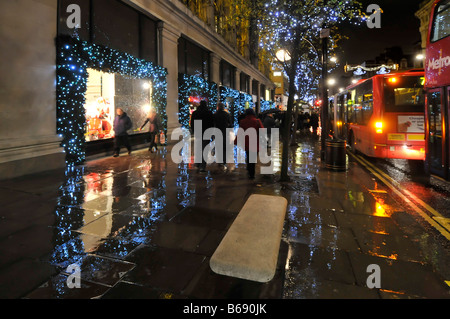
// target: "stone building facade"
[[29, 142]]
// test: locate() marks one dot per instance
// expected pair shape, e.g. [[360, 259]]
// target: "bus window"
[[351, 97], [340, 115], [367, 108], [404, 94], [441, 23], [364, 94]]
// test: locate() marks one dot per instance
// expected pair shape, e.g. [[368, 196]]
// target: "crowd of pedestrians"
[[221, 120]]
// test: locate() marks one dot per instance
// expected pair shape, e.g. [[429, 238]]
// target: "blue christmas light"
[[194, 86], [72, 85]]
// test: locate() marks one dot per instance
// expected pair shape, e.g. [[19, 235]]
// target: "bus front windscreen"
[[404, 94]]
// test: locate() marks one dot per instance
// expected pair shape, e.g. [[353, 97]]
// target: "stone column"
[[215, 68], [238, 80], [168, 58]]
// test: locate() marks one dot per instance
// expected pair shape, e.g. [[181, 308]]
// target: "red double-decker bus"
[[383, 116], [437, 73]]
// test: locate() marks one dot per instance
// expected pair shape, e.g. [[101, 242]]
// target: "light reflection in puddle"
[[103, 214]]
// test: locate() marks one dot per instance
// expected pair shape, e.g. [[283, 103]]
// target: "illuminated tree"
[[294, 26]]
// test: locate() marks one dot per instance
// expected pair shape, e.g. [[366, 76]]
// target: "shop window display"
[[108, 91]]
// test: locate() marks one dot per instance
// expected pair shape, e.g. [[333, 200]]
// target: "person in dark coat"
[[269, 124], [122, 123], [154, 129], [301, 121], [222, 121], [207, 119], [251, 121], [314, 122]]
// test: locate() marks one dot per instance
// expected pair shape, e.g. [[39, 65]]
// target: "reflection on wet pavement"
[[142, 226]]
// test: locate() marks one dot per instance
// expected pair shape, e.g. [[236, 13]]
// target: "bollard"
[[335, 155]]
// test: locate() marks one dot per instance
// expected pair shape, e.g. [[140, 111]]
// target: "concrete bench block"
[[250, 248]]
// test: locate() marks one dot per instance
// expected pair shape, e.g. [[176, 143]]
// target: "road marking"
[[436, 215], [377, 191], [395, 183], [443, 221], [387, 180]]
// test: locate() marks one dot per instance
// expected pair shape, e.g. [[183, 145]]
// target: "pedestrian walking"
[[306, 121], [154, 129], [269, 124], [206, 118], [251, 149], [122, 124], [301, 121], [314, 121], [222, 121]]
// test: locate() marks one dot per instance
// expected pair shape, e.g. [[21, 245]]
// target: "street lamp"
[[283, 55]]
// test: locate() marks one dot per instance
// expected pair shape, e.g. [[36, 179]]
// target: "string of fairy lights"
[[285, 21], [193, 86], [73, 59]]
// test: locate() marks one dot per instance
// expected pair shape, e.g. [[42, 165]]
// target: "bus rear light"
[[379, 127], [392, 80]]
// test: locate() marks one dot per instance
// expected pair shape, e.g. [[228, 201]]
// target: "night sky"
[[399, 27]]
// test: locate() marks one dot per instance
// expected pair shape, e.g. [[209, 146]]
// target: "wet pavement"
[[143, 227]]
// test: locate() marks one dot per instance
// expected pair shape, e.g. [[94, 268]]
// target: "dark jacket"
[[269, 123], [204, 115], [222, 120], [155, 124], [122, 124], [314, 121]]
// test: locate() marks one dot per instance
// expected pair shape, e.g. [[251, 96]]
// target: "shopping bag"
[[162, 138]]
